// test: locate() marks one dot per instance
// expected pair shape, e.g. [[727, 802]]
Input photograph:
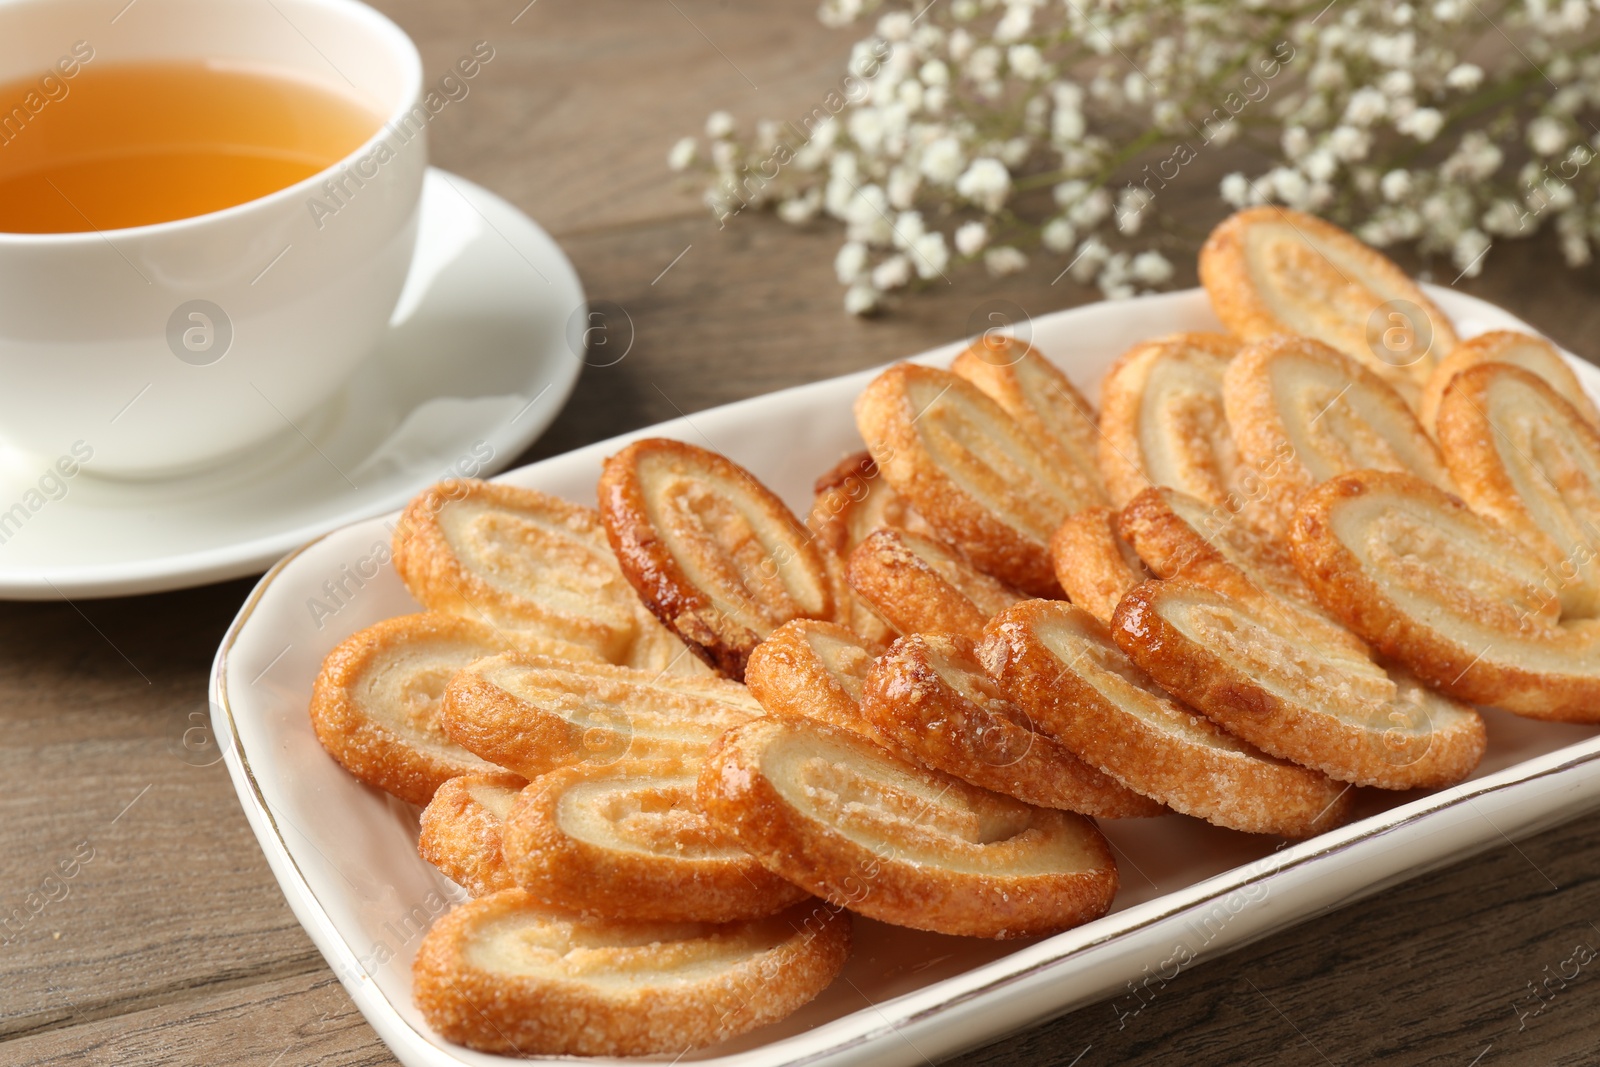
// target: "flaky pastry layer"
[[1059, 663], [511, 975], [866, 830]]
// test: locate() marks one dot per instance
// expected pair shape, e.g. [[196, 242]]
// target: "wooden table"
[[172, 943]]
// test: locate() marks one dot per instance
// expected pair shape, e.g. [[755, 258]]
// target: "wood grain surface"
[[170, 943]]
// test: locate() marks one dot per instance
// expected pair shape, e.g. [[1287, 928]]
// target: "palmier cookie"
[[1302, 413], [1447, 592], [1269, 270], [1178, 536], [1059, 663], [814, 670], [895, 841], [852, 502], [918, 584], [522, 559], [627, 840], [1162, 421], [1533, 354], [1265, 683], [376, 704], [978, 479], [511, 975], [1093, 563], [533, 715], [713, 552], [461, 830], [1530, 460], [930, 700], [1042, 401]]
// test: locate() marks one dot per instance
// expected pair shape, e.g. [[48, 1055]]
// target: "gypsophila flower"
[[1396, 185], [929, 255], [971, 237], [986, 182], [1025, 61], [1236, 190], [682, 154], [942, 161], [1151, 268], [801, 209], [1088, 212], [1464, 76], [1090, 260], [1546, 135], [851, 262], [1015, 25], [1505, 218], [1469, 250], [1058, 235], [1320, 165], [860, 299], [1131, 205], [1424, 123], [903, 185], [1366, 106], [1349, 143], [892, 273], [935, 150], [1003, 260]]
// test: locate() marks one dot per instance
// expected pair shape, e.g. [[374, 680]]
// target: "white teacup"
[[177, 345]]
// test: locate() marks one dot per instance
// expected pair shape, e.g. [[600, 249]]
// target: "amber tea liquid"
[[135, 144]]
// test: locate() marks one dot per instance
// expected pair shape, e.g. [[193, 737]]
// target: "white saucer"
[[475, 365]]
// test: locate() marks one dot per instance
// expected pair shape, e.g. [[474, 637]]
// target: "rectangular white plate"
[[346, 855]]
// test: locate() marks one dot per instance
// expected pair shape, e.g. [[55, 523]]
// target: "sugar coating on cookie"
[[460, 830], [866, 830], [975, 475], [1436, 586], [718, 557], [532, 715], [511, 975], [919, 584], [1272, 685], [1269, 270], [929, 699], [1162, 420], [627, 840], [377, 704], [1059, 662]]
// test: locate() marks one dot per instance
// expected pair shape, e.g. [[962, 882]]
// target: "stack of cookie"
[[670, 744]]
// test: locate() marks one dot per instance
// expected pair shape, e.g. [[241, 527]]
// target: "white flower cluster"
[[996, 130]]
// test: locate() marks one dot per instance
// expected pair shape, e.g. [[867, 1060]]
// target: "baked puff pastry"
[[899, 842], [1270, 270], [1527, 457], [1060, 664], [1042, 400], [1449, 593], [971, 471], [1094, 565], [918, 584], [377, 705], [930, 700], [520, 559], [1532, 354], [1162, 420], [512, 975], [718, 557], [1276, 688], [1301, 413], [627, 840], [533, 715]]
